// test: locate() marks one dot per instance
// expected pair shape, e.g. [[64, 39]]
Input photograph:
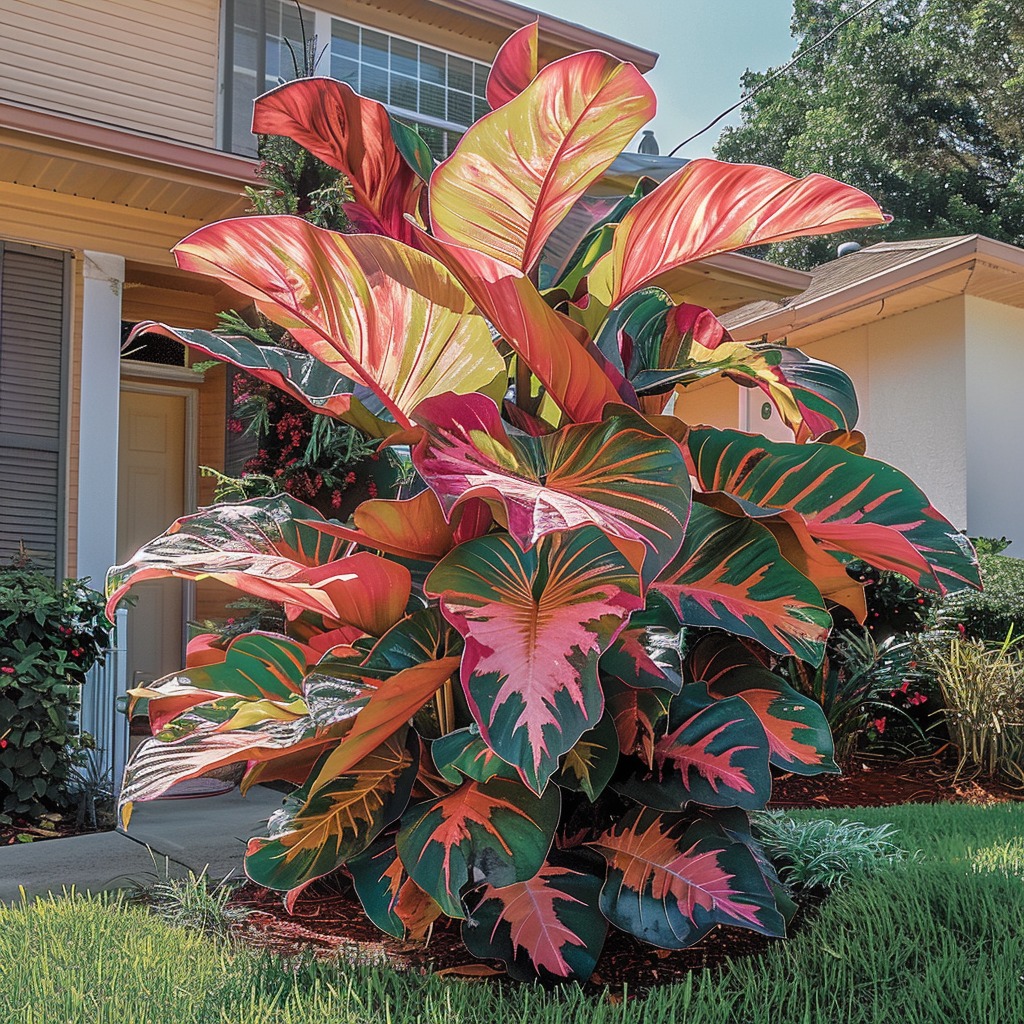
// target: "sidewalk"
[[192, 833]]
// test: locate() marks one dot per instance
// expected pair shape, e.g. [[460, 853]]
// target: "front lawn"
[[932, 940]]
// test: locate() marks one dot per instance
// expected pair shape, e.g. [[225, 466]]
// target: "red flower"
[[7, 670], [3, 744], [918, 698], [879, 724]]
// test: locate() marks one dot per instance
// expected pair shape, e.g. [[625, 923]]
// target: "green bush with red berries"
[[51, 634]]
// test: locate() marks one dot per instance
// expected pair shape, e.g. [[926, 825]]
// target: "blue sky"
[[705, 46]]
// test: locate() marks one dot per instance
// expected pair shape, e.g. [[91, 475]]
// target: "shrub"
[[982, 688], [991, 613], [822, 854], [51, 634], [481, 693]]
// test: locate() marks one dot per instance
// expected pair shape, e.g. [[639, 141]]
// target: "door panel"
[[151, 495]]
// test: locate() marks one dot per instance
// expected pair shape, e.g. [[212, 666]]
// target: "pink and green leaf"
[[799, 738], [462, 754], [548, 927], [670, 882], [391, 899], [621, 475], [710, 207], [319, 828], [588, 767], [503, 191], [497, 829], [535, 624], [714, 752], [647, 652], [640, 717], [847, 503], [358, 303], [263, 548], [729, 574]]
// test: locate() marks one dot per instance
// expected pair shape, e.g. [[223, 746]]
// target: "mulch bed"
[[54, 826], [328, 919]]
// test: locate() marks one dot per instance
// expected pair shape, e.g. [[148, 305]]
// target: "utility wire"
[[778, 74]]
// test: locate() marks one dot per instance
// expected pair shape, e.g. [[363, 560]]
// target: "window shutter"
[[33, 286]]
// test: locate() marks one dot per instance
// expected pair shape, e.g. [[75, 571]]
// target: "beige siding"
[[143, 65]]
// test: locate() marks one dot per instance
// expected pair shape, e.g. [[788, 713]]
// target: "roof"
[[904, 274]]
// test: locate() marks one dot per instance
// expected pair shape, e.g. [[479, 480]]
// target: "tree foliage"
[[916, 101]]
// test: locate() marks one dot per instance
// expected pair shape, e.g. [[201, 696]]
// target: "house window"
[[262, 44], [439, 92], [33, 333]]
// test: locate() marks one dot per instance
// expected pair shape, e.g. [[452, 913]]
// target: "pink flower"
[[879, 724]]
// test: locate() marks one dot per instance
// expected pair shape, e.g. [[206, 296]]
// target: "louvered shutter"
[[33, 301]]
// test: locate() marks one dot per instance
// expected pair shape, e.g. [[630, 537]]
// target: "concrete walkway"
[[191, 834]]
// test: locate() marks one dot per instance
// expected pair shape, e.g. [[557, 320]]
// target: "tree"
[[537, 696], [916, 101]]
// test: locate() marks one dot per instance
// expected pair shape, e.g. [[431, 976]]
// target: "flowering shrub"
[[51, 634], [481, 694]]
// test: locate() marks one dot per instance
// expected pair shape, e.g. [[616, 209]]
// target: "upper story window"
[[440, 92]]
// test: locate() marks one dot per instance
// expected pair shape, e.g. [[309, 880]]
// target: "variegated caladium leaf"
[[355, 135], [535, 624], [647, 652], [799, 738], [497, 832], [262, 548], [848, 503], [462, 754], [391, 899], [590, 764], [362, 304], [318, 387], [582, 111], [379, 693], [640, 717], [254, 667], [157, 765], [669, 882], [548, 927], [709, 207], [621, 475], [714, 752], [315, 832], [730, 574]]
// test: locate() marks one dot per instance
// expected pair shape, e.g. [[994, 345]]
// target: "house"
[[932, 334], [124, 126]]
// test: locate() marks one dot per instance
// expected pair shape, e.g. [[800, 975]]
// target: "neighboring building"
[[123, 127], [932, 334]]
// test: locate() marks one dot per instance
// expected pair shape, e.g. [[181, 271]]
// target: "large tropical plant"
[[534, 696]]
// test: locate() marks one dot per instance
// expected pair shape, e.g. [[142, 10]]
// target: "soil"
[[328, 919], [52, 826]]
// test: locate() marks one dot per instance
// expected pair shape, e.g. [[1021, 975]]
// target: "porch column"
[[100, 397], [97, 488]]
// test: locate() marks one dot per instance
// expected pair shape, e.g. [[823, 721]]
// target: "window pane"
[[374, 48], [403, 92], [344, 40], [374, 83], [480, 73], [345, 71], [460, 74], [480, 108], [431, 66], [242, 95], [404, 58], [460, 108], [245, 49], [432, 100]]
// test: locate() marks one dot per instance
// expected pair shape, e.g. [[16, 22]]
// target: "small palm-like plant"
[[481, 697]]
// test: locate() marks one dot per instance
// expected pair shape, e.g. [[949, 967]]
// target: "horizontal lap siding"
[[143, 65]]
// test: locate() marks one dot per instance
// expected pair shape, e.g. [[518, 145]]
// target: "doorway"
[[156, 485]]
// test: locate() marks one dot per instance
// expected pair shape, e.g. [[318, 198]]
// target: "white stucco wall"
[[909, 372], [995, 421]]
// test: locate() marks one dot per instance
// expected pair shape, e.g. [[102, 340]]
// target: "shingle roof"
[[841, 273]]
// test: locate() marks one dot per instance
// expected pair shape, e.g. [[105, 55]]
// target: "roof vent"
[[847, 249], [649, 144]]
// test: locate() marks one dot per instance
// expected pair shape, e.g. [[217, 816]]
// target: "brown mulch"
[[329, 920], [53, 826]]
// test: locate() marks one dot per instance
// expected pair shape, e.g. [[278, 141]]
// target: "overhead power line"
[[778, 74]]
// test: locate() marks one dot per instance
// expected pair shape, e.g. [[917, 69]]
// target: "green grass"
[[933, 941]]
